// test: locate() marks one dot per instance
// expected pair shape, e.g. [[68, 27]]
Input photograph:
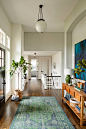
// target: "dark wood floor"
[[35, 88]]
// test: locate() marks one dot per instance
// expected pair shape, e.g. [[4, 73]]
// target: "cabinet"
[[79, 95]]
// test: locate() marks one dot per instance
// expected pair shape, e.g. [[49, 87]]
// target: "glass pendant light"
[[41, 25]]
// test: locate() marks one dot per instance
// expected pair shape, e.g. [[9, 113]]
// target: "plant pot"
[[67, 79]]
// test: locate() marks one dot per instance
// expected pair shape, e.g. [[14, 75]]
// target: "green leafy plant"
[[17, 67], [81, 65]]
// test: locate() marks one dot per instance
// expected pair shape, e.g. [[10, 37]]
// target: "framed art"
[[54, 65], [80, 53]]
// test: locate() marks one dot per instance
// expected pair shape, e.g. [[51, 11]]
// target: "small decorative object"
[[78, 109], [67, 72], [77, 88], [67, 79], [81, 86], [68, 96], [69, 84], [15, 98], [73, 102], [78, 84]]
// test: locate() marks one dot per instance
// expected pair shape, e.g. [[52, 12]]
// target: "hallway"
[[34, 88]]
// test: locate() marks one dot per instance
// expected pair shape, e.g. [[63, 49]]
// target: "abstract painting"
[[80, 53]]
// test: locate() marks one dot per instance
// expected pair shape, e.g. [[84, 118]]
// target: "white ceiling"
[[25, 12], [40, 53]]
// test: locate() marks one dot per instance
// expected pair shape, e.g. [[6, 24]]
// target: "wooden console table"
[[79, 95]]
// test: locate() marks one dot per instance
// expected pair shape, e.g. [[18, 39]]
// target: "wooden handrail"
[[53, 76]]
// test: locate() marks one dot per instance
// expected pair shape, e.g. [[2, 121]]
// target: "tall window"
[[33, 62], [7, 42], [1, 58], [2, 37]]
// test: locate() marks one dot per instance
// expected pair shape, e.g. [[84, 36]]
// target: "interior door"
[[45, 66], [2, 76]]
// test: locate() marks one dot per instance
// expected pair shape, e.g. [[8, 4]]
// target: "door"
[[45, 66], [2, 76]]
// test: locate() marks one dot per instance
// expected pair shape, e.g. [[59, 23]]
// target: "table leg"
[[82, 107]]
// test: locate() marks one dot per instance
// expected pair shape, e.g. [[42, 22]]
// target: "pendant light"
[[41, 25], [34, 55]]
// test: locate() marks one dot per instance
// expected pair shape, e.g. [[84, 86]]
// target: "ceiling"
[[25, 12], [40, 53]]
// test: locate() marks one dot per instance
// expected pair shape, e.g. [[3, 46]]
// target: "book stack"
[[78, 109], [76, 87]]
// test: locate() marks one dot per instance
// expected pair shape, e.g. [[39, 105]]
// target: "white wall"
[[56, 58], [5, 23], [79, 8], [40, 65], [22, 41], [17, 44], [78, 13], [78, 34], [69, 50], [44, 41]]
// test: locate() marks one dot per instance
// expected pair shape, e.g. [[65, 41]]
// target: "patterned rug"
[[40, 113]]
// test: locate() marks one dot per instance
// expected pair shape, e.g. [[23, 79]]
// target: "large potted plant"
[[80, 69], [18, 67]]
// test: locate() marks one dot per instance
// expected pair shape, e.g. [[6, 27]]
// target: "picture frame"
[[54, 65]]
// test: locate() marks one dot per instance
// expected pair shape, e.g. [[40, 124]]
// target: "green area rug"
[[40, 113]]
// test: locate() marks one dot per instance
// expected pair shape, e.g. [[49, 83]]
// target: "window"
[[7, 42], [33, 62], [2, 37], [1, 58]]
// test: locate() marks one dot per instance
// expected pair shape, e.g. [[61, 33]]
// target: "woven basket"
[[73, 102]]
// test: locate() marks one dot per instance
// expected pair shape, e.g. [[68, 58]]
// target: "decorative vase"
[[67, 79], [85, 88]]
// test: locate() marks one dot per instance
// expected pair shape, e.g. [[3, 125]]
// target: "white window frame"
[[7, 48]]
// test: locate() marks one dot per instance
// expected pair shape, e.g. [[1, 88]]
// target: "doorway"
[[45, 66], [34, 68]]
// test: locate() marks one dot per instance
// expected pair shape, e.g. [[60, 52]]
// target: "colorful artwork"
[[80, 53]]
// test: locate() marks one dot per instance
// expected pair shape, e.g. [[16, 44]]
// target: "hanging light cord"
[[40, 12]]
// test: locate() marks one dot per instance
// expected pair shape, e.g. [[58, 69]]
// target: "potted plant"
[[80, 69], [18, 67]]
